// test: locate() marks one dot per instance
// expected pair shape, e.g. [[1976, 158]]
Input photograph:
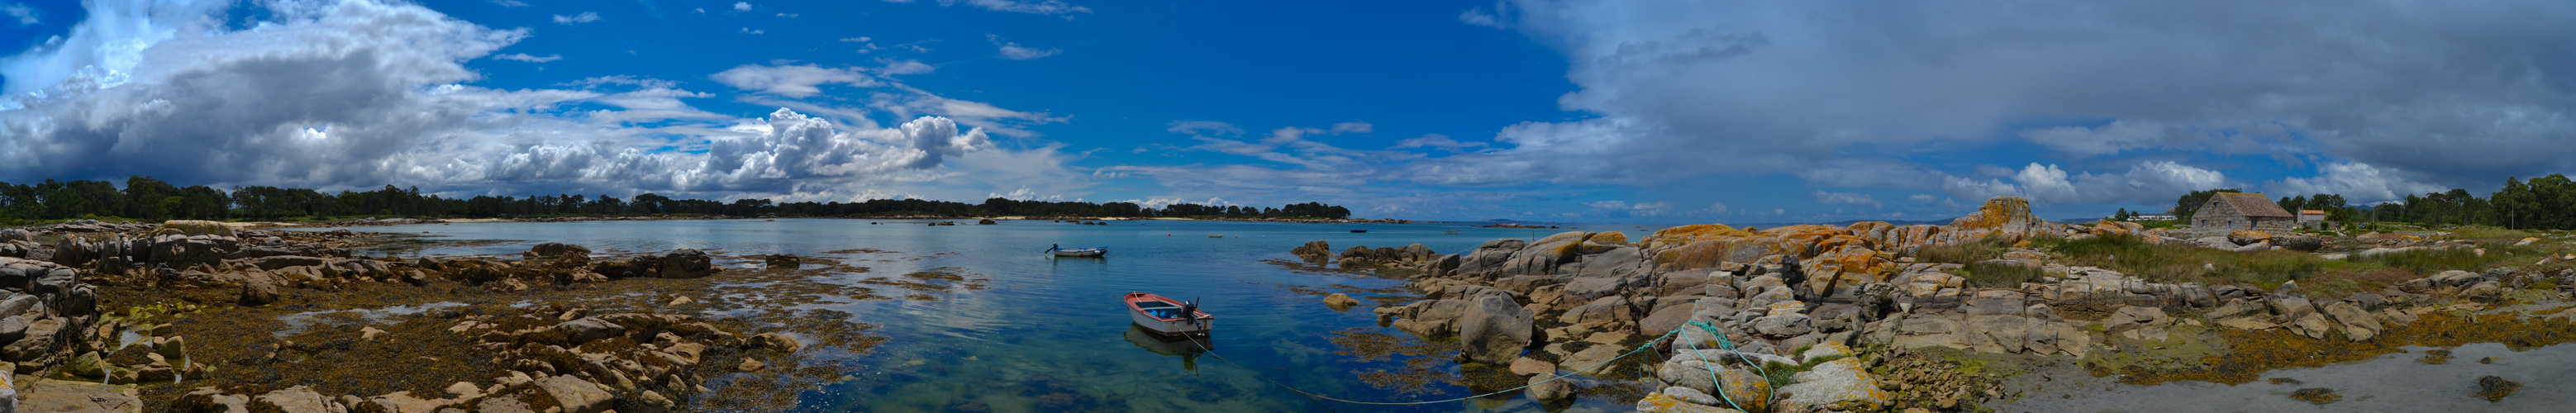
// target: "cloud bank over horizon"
[[1785, 111]]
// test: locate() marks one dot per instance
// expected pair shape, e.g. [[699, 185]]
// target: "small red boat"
[[1163, 315]]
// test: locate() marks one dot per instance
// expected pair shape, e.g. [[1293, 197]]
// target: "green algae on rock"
[[2318, 395], [2494, 389]]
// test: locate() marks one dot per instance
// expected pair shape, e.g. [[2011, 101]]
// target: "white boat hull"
[[1161, 315], [1170, 327]]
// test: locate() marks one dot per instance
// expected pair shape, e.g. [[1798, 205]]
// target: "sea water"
[[1055, 327]]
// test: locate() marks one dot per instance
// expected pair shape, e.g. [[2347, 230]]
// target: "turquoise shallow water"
[[1050, 335]]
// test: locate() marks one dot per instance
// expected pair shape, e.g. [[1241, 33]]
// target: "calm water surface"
[[1051, 334]]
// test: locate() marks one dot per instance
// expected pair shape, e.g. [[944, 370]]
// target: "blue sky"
[[1632, 111]]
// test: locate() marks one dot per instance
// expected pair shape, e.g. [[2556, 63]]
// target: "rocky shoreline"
[[1845, 319], [197, 316]]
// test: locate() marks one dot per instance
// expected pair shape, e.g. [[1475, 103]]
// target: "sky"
[[1547, 110]]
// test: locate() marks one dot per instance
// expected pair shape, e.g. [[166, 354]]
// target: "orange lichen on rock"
[[2005, 217], [1676, 237], [1608, 238]]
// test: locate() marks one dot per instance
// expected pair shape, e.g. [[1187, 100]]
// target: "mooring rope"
[[1649, 345]]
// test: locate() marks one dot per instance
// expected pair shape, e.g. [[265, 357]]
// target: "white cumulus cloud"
[[359, 93]]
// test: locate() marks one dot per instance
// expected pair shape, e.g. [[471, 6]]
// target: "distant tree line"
[[2547, 202], [148, 198]]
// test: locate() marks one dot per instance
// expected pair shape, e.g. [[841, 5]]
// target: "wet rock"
[[2494, 389], [2435, 357], [783, 261], [1340, 302], [2318, 395], [557, 251], [1314, 252], [86, 365], [776, 341], [260, 290], [686, 263], [1427, 318], [750, 365], [174, 348], [1545, 387], [1494, 330], [273, 263]]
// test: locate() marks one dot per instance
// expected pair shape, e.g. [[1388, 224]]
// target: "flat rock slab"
[[50, 395]]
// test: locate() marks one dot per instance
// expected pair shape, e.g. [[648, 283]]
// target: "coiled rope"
[[1649, 345]]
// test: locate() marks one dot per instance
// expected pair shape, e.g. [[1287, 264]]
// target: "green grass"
[[1961, 253], [2487, 232], [2000, 275], [2435, 260], [2178, 263]]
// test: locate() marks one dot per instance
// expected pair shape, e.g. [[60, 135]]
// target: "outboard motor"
[[1190, 311]]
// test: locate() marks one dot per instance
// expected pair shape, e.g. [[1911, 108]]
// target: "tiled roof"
[[2312, 212], [2253, 205]]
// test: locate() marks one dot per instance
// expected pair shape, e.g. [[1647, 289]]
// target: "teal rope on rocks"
[[1650, 345], [1719, 383]]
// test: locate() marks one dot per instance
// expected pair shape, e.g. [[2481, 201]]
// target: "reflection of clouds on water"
[[1059, 317]]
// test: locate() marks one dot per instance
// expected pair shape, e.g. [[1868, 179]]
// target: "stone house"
[[2234, 211], [2312, 219]]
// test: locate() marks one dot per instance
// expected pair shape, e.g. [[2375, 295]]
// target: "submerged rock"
[[1340, 301], [2318, 395], [2494, 389]]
